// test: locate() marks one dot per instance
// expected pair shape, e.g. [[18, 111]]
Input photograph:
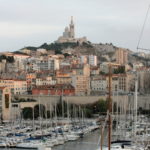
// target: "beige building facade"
[[16, 86], [81, 84], [121, 56], [5, 103]]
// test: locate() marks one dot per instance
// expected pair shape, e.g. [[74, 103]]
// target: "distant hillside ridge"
[[60, 47], [104, 52]]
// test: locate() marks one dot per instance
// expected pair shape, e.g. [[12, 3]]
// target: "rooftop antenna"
[[141, 34]]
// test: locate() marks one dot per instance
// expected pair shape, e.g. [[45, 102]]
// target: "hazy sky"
[[34, 22]]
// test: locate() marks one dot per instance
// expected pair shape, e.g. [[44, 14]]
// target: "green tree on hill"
[[9, 59]]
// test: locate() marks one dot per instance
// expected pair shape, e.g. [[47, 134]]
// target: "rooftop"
[[56, 86]]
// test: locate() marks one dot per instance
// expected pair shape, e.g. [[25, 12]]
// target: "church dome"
[[66, 29]]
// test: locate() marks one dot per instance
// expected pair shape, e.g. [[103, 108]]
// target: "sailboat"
[[119, 144]]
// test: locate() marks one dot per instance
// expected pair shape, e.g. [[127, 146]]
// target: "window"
[[6, 100]]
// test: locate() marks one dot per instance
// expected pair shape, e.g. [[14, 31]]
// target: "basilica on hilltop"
[[69, 35]]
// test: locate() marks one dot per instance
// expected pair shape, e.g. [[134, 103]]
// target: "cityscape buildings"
[[42, 72]]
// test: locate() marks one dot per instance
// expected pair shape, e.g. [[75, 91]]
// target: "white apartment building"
[[92, 60], [83, 59], [30, 64], [45, 81], [99, 85], [56, 64], [39, 64], [19, 61], [48, 64]]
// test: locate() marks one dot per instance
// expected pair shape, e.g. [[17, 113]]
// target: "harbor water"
[[88, 142]]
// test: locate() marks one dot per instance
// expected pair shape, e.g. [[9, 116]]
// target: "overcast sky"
[[34, 22]]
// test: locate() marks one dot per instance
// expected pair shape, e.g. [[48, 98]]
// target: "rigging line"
[[141, 34], [146, 49]]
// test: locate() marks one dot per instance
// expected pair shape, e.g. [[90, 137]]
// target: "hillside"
[[105, 52]]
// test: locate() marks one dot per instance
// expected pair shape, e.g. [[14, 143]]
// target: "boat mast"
[[109, 107], [117, 112], [46, 115], [50, 114], [33, 121], [68, 115], [135, 102], [62, 101], [55, 114], [40, 113]]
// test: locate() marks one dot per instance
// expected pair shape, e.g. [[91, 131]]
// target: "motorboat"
[[72, 137], [32, 145]]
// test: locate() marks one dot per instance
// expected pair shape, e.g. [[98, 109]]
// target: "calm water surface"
[[89, 142]]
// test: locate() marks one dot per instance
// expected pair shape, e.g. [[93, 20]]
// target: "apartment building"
[[16, 86], [81, 84], [57, 89]]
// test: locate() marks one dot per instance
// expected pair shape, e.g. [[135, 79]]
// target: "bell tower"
[[72, 34]]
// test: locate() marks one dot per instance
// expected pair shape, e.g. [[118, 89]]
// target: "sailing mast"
[[40, 117], [135, 103], [109, 107], [109, 111], [62, 103], [33, 121]]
